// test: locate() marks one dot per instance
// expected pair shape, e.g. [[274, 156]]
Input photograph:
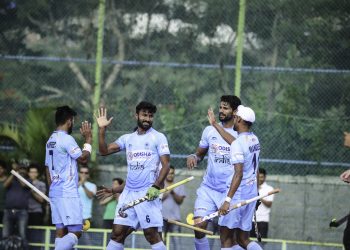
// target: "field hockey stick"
[[145, 198], [337, 223], [188, 226], [86, 223], [240, 204], [256, 229], [30, 185]]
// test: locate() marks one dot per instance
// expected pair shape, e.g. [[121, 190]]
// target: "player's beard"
[[70, 129], [144, 125], [225, 118]]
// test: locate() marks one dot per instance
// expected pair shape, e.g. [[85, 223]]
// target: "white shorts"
[[241, 217], [66, 211], [208, 201], [144, 215]]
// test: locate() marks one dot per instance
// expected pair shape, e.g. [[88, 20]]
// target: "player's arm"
[[9, 179], [236, 181], [103, 123], [194, 159], [224, 134], [85, 130], [165, 161], [48, 176]]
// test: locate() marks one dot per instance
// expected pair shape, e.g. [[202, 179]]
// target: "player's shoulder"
[[156, 133]]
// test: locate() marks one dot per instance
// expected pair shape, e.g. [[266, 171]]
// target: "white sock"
[[113, 245], [236, 247], [158, 246], [67, 242], [201, 244], [253, 246]]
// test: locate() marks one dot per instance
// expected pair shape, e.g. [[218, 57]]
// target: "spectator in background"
[[263, 212], [345, 176], [36, 202], [111, 204], [3, 177], [87, 191], [16, 205], [171, 202]]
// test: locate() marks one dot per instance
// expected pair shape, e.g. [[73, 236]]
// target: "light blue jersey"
[[219, 168], [246, 149], [61, 154], [143, 157]]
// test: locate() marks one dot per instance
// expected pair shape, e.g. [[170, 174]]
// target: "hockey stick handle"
[[30, 185], [188, 226], [240, 204], [145, 198]]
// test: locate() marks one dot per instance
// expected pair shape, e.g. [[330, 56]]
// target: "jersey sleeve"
[[180, 190], [163, 147], [237, 154], [72, 148], [204, 142], [121, 141]]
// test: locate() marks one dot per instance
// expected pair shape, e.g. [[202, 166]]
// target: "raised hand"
[[101, 119], [85, 129], [211, 116]]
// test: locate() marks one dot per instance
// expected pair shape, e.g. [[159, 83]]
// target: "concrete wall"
[[302, 211]]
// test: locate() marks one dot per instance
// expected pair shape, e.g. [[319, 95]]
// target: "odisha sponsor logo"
[[224, 148], [137, 166]]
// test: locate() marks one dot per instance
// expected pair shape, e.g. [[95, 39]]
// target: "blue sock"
[[113, 245], [201, 244], [67, 242], [253, 246], [158, 246]]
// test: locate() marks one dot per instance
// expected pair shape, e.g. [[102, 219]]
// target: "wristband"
[[87, 147], [156, 187], [228, 199]]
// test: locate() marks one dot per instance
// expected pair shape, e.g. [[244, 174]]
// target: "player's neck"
[[141, 131], [62, 128], [228, 124]]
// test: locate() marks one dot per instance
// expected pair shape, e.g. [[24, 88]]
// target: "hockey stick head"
[[122, 213], [333, 223]]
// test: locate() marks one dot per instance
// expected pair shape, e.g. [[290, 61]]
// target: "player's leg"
[[122, 227], [149, 214], [68, 220], [245, 225], [118, 236], [206, 203]]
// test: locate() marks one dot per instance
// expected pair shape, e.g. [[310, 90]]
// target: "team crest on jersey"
[[130, 146], [146, 145]]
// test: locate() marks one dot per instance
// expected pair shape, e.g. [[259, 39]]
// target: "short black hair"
[[119, 180], [262, 171], [146, 106], [233, 100], [33, 165], [63, 114]]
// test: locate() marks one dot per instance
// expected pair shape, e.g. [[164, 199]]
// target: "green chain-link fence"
[[181, 55]]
